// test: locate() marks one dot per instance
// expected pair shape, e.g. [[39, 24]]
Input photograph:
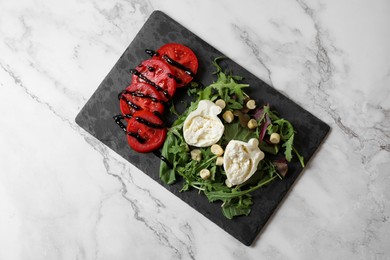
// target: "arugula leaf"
[[237, 200], [193, 88], [237, 207], [234, 193], [179, 150], [300, 157], [167, 174], [269, 148], [289, 146], [234, 131], [228, 87], [232, 104], [225, 87], [286, 131], [173, 111], [285, 128], [272, 114]]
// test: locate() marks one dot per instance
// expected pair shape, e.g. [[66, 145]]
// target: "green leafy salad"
[[253, 148]]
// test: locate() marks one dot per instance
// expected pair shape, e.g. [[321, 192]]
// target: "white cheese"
[[241, 159], [202, 127]]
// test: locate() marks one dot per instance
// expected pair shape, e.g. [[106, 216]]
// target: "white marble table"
[[64, 195]]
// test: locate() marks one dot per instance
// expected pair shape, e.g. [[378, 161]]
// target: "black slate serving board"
[[96, 118]]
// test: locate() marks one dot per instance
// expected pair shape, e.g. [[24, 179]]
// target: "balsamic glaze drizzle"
[[118, 120], [137, 136], [120, 94], [148, 123], [144, 78], [131, 104], [178, 65], [141, 95], [171, 61], [162, 158], [151, 69], [152, 53], [177, 79], [158, 114]]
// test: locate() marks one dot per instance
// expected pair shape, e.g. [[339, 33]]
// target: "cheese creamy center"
[[241, 160], [202, 126]]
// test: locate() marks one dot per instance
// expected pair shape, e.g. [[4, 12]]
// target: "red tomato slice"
[[182, 61], [158, 74], [145, 132], [140, 96]]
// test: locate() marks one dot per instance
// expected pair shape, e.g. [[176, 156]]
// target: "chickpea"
[[205, 174], [221, 103], [217, 149], [274, 138], [228, 116]]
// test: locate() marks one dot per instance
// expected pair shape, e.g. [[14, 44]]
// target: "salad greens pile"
[[236, 200]]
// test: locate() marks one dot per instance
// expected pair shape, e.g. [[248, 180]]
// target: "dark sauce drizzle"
[[131, 104], [151, 69], [174, 63], [118, 120], [137, 136], [122, 96], [144, 78], [148, 123], [159, 115], [177, 79], [179, 65], [152, 53], [162, 158], [140, 95]]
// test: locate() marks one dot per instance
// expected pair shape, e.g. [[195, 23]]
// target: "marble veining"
[[64, 195], [260, 57]]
